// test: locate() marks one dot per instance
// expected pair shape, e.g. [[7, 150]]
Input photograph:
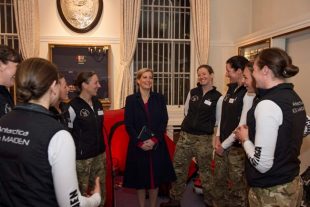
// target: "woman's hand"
[[97, 188], [218, 146], [242, 133], [148, 145]]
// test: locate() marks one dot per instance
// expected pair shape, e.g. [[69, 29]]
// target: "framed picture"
[[80, 15], [251, 50], [73, 59]]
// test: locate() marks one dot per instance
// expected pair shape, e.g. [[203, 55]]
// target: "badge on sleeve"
[[100, 113]]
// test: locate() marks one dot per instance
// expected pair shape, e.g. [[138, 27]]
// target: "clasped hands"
[[148, 145], [241, 134]]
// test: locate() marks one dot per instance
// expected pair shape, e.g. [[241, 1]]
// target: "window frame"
[[183, 75]]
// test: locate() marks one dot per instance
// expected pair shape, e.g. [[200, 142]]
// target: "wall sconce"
[[98, 53]]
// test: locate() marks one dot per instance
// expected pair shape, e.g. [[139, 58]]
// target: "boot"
[[171, 203]]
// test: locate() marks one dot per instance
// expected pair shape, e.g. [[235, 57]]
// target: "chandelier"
[[98, 52]]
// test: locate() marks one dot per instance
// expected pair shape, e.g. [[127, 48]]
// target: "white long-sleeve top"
[[268, 117], [247, 104], [61, 156], [186, 104]]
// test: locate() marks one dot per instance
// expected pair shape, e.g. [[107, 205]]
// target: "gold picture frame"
[[251, 50], [80, 15], [72, 59]]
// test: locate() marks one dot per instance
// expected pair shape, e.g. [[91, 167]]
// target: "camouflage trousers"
[[230, 183], [87, 171], [286, 195], [189, 146]]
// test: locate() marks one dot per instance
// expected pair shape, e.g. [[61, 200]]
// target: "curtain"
[[130, 21], [28, 27], [201, 27]]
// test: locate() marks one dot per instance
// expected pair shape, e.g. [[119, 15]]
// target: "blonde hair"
[[143, 70]]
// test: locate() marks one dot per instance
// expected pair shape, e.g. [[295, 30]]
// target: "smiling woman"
[[80, 15], [9, 59]]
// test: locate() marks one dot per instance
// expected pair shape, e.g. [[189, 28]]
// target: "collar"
[[34, 108], [6, 93], [262, 92], [201, 90], [232, 85], [138, 94]]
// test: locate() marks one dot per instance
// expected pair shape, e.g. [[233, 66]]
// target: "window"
[[8, 32], [164, 46]]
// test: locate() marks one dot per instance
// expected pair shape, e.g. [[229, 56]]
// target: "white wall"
[[229, 20], [268, 13], [298, 48], [107, 32], [274, 17]]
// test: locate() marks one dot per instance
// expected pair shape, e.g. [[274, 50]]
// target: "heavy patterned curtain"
[[130, 21], [28, 27], [200, 25]]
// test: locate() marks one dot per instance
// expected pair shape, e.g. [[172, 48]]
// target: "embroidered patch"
[[84, 113], [7, 108], [194, 98]]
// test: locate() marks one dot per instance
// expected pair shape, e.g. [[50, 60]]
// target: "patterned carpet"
[[127, 197]]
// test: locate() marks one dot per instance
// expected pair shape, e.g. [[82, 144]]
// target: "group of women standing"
[[261, 121], [42, 164], [257, 143], [37, 154]]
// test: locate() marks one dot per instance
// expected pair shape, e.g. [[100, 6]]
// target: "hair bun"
[[23, 95], [290, 71]]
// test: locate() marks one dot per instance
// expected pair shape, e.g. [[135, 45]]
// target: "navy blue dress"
[[147, 169]]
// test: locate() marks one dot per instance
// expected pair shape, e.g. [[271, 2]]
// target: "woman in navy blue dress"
[[148, 163]]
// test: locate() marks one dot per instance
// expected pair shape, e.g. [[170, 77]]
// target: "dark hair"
[[208, 67], [9, 54], [250, 66], [237, 62], [34, 77], [278, 61], [83, 77], [60, 75]]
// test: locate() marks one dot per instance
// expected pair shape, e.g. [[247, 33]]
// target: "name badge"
[[231, 100], [207, 102], [100, 113], [70, 125]]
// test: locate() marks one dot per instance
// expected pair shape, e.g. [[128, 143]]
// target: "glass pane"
[[2, 19], [2, 40], [163, 24], [8, 19], [16, 43]]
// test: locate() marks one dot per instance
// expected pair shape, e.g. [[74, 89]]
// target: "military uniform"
[[230, 184], [280, 185], [87, 133], [196, 141]]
